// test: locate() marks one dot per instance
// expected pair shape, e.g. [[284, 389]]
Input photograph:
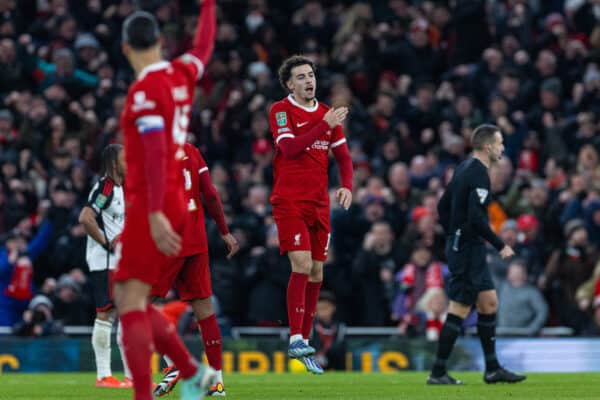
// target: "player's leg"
[[457, 312], [462, 295], [194, 285], [128, 381], [296, 301], [130, 298], [211, 337], [294, 239], [102, 330], [487, 304], [101, 343], [313, 287], [319, 245]]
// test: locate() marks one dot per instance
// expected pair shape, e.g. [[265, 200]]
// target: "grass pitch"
[[342, 386]]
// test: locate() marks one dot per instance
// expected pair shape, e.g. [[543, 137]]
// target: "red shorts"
[[189, 275], [303, 226], [138, 256]]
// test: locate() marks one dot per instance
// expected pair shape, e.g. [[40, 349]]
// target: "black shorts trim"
[[101, 282]]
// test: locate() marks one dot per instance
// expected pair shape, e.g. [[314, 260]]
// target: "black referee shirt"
[[463, 206]]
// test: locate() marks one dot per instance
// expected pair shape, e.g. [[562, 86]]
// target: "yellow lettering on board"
[[10, 360], [278, 362], [366, 362], [252, 361], [227, 362], [391, 361]]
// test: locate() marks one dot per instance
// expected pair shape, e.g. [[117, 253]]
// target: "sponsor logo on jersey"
[[180, 93], [281, 118], [482, 193], [320, 145], [284, 129], [141, 103], [101, 200], [301, 124]]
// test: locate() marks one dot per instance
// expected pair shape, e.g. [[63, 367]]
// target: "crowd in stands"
[[417, 75]]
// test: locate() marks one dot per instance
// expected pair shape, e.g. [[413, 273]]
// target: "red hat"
[[261, 146], [527, 222], [419, 212]]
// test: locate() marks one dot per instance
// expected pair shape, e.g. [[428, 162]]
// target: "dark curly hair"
[[285, 71]]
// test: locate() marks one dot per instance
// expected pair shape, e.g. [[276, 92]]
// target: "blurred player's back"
[[161, 99]]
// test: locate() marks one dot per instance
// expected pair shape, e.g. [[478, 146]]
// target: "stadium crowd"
[[417, 75]]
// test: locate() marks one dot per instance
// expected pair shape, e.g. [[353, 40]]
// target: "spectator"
[[434, 305], [423, 273], [522, 306], [569, 267], [373, 272], [38, 320], [15, 263]]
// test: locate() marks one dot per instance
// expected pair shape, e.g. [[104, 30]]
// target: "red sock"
[[167, 342], [312, 297], [213, 345], [137, 342], [296, 293]]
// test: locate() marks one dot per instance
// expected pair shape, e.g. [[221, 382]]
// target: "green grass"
[[343, 386]]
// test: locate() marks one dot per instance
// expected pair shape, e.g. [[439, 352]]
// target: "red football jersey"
[[159, 100], [194, 236], [304, 178]]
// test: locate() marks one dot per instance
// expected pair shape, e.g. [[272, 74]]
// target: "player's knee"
[[489, 306], [203, 308], [316, 274], [302, 266]]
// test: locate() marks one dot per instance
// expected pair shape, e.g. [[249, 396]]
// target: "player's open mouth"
[[309, 90]]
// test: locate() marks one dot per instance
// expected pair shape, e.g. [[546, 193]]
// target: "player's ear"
[[290, 85]]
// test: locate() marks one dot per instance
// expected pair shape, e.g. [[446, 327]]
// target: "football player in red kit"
[[154, 122], [189, 272], [304, 131]]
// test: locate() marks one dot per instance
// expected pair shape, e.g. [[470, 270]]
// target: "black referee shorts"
[[469, 273], [101, 282]]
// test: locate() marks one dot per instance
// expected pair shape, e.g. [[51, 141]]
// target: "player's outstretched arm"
[[204, 41]]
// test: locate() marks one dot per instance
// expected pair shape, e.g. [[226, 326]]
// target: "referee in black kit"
[[463, 214]]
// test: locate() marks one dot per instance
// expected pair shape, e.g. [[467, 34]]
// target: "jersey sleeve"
[[191, 66], [280, 123], [477, 210], [337, 137], [197, 157], [101, 195]]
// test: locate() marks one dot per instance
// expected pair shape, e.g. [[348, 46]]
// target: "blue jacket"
[[11, 310]]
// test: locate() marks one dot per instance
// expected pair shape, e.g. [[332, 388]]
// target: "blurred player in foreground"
[[155, 122]]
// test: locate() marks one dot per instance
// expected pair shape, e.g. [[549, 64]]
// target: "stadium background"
[[417, 76]]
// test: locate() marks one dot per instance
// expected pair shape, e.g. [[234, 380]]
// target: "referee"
[[463, 214]]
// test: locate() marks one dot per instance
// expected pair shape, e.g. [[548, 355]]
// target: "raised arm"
[[204, 41]]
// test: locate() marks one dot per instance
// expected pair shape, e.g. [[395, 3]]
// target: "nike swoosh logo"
[[300, 125]]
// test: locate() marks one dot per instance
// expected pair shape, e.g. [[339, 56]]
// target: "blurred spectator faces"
[[508, 232], [418, 33], [517, 274]]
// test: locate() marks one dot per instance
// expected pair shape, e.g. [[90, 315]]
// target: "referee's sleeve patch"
[[482, 193]]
